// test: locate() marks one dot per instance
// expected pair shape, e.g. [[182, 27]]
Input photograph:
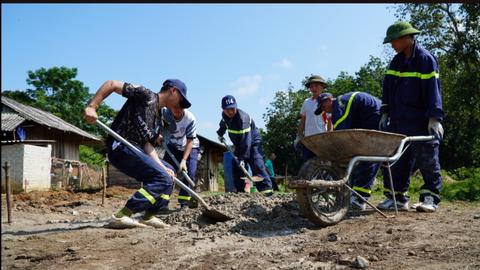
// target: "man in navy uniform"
[[412, 105], [248, 145]]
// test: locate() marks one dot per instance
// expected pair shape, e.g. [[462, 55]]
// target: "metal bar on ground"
[[392, 189], [366, 201]]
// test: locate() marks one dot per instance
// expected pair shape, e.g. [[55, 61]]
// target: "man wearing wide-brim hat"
[[311, 124], [412, 105]]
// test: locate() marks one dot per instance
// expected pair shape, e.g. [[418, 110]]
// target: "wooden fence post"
[[104, 181], [8, 191]]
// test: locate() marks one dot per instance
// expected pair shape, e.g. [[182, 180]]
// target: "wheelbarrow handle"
[[135, 149]]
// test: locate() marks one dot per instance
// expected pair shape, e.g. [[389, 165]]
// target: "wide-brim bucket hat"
[[399, 29]]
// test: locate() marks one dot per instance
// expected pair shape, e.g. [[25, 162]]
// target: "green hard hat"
[[315, 78], [399, 29]]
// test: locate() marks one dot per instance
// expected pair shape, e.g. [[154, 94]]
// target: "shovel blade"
[[216, 215]]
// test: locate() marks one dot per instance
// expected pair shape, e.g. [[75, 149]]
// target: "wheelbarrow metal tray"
[[342, 145]]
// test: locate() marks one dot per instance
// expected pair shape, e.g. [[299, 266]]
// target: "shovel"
[[210, 212], [254, 178], [178, 165]]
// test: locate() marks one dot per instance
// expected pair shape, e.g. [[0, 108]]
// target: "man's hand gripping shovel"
[[245, 172]]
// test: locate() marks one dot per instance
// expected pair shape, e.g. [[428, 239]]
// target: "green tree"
[[282, 120], [370, 76], [452, 33], [368, 79], [55, 90]]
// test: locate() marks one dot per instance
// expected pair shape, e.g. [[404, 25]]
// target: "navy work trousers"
[[183, 196], [157, 184], [421, 155], [363, 177], [257, 165]]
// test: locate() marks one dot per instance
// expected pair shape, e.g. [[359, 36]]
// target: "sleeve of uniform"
[[246, 137], [222, 128], [431, 92]]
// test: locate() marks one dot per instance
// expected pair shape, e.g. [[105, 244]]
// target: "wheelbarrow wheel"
[[323, 206]]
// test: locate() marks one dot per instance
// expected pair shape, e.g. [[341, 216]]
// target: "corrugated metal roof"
[[11, 120], [44, 118]]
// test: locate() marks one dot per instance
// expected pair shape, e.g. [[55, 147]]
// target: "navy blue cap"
[[228, 102], [320, 99], [182, 88]]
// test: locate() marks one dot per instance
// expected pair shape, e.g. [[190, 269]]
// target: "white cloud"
[[246, 85], [284, 63]]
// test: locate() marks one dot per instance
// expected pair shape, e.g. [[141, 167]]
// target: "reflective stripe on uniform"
[[165, 197], [147, 195], [423, 76], [396, 192], [426, 191], [364, 190], [243, 131], [347, 111], [267, 191], [184, 198]]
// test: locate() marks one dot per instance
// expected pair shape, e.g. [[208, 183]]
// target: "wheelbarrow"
[[323, 186]]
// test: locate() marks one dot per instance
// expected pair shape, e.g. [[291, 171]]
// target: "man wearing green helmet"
[[412, 105]]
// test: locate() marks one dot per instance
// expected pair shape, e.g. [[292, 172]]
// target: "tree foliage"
[[452, 33], [282, 118]]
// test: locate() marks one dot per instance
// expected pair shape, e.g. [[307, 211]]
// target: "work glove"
[[435, 128], [182, 166], [382, 125], [221, 139], [242, 163]]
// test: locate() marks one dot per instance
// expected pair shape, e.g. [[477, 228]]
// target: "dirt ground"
[[64, 230]]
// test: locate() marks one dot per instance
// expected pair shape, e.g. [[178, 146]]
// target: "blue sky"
[[248, 50]]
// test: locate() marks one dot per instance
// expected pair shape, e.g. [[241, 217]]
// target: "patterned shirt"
[[139, 120]]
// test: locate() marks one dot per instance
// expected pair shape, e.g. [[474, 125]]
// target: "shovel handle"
[[135, 149], [241, 167], [178, 165]]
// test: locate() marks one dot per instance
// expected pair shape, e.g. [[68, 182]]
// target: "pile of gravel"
[[252, 214]]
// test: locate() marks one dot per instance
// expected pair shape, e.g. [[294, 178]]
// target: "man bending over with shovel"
[[355, 110], [184, 147], [248, 145], [139, 122]]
